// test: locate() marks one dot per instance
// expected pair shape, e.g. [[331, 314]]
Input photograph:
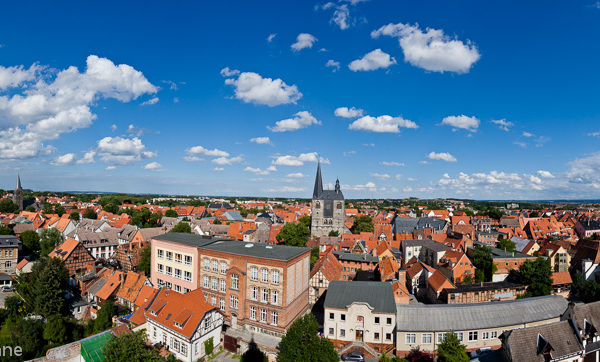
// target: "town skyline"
[[240, 99]]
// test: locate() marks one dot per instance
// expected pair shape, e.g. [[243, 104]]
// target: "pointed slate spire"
[[337, 185], [18, 182], [318, 183]]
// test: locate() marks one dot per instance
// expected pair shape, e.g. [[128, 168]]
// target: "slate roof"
[[428, 243], [379, 295], [363, 258], [9, 241], [464, 317], [589, 312]]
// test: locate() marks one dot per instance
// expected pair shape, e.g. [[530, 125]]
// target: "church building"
[[18, 194], [328, 209]]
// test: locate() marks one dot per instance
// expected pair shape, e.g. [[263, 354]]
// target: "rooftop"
[[379, 295]]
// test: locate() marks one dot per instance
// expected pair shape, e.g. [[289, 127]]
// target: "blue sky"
[[442, 99]]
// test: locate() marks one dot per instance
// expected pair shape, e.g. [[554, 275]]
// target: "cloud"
[[88, 157], [252, 88], [382, 177], [257, 171], [442, 156], [494, 181], [545, 174], [594, 134], [411, 179], [296, 175], [341, 17], [463, 122], [522, 144], [286, 189], [503, 124], [381, 124], [271, 37], [172, 85], [109, 168], [218, 169], [227, 161], [369, 186], [288, 160], [398, 177], [150, 102], [346, 112], [368, 144], [527, 134], [349, 153], [303, 40], [49, 103], [122, 151], [431, 50], [153, 166], [272, 168], [300, 120], [372, 61], [199, 150], [335, 65], [113, 127], [193, 159], [261, 140], [386, 163], [64, 160], [226, 72]]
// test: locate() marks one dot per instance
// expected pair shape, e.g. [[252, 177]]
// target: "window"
[[263, 315], [376, 320], [331, 316], [168, 285], [160, 282], [342, 317], [253, 313], [388, 321], [206, 282], [494, 334], [265, 296], [460, 336], [188, 276], [186, 290], [207, 323], [213, 300], [441, 337], [376, 336], [411, 338], [178, 288], [254, 273], [331, 331], [169, 255], [274, 318], [169, 271], [183, 349], [342, 333], [275, 277], [265, 275], [223, 267], [275, 297], [160, 268], [160, 253], [234, 281], [485, 335], [223, 285], [214, 283], [215, 265], [388, 336], [176, 345], [254, 293], [206, 264], [222, 304], [233, 302], [473, 336], [426, 338], [178, 273], [178, 258], [188, 260]]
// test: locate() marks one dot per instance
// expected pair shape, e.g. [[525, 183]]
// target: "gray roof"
[[430, 222], [330, 195], [9, 241], [379, 295], [464, 317], [233, 215], [276, 252], [405, 226], [427, 243], [368, 258]]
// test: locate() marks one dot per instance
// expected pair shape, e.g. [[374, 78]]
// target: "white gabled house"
[[183, 322]]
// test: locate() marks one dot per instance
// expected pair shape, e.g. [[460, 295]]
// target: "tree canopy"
[[302, 342], [31, 241], [89, 213], [44, 288], [171, 213], [507, 245], [74, 216], [6, 231], [363, 223], [129, 347], [587, 290], [182, 227], [537, 275], [50, 238], [293, 234], [145, 258], [452, 350], [482, 260], [6, 205]]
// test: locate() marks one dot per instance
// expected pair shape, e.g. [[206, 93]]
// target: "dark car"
[[353, 356]]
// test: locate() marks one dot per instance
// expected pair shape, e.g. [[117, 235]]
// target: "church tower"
[[328, 209], [18, 194]]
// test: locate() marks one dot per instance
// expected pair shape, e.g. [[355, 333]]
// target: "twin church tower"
[[328, 208]]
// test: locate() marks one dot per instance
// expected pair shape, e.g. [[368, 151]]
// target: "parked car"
[[6, 288], [353, 356], [481, 352]]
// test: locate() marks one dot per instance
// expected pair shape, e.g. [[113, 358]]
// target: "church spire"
[[337, 186], [18, 182], [318, 183]]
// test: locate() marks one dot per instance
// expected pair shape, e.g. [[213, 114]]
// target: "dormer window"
[[178, 325]]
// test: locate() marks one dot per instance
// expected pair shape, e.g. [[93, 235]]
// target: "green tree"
[[314, 256], [28, 334], [507, 245], [55, 330], [495, 214], [534, 214], [104, 319], [253, 354], [6, 231], [112, 208], [89, 213], [537, 275], [14, 306], [363, 223], [293, 234], [587, 290], [145, 258], [60, 210], [386, 358], [50, 279], [49, 239], [302, 342], [306, 221], [31, 241], [171, 213], [451, 350], [482, 260], [334, 233], [182, 227], [217, 222], [75, 216], [129, 347], [6, 205], [30, 208], [467, 279], [209, 346]]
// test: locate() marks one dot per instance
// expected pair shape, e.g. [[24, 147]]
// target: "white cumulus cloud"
[[296, 175], [153, 166], [300, 120], [333, 64], [303, 40], [463, 122], [288, 160], [227, 161], [261, 140], [257, 171], [88, 157], [346, 112], [150, 102], [442, 156], [226, 72], [503, 124], [382, 124], [386, 163], [64, 160], [199, 150], [252, 88], [379, 176], [122, 151], [376, 59]]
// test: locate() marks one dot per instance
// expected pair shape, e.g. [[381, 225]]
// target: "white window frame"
[[223, 267], [411, 338], [235, 280], [254, 273], [188, 260], [215, 265], [473, 336], [253, 313], [274, 318], [275, 297], [264, 275], [426, 338], [275, 277]]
